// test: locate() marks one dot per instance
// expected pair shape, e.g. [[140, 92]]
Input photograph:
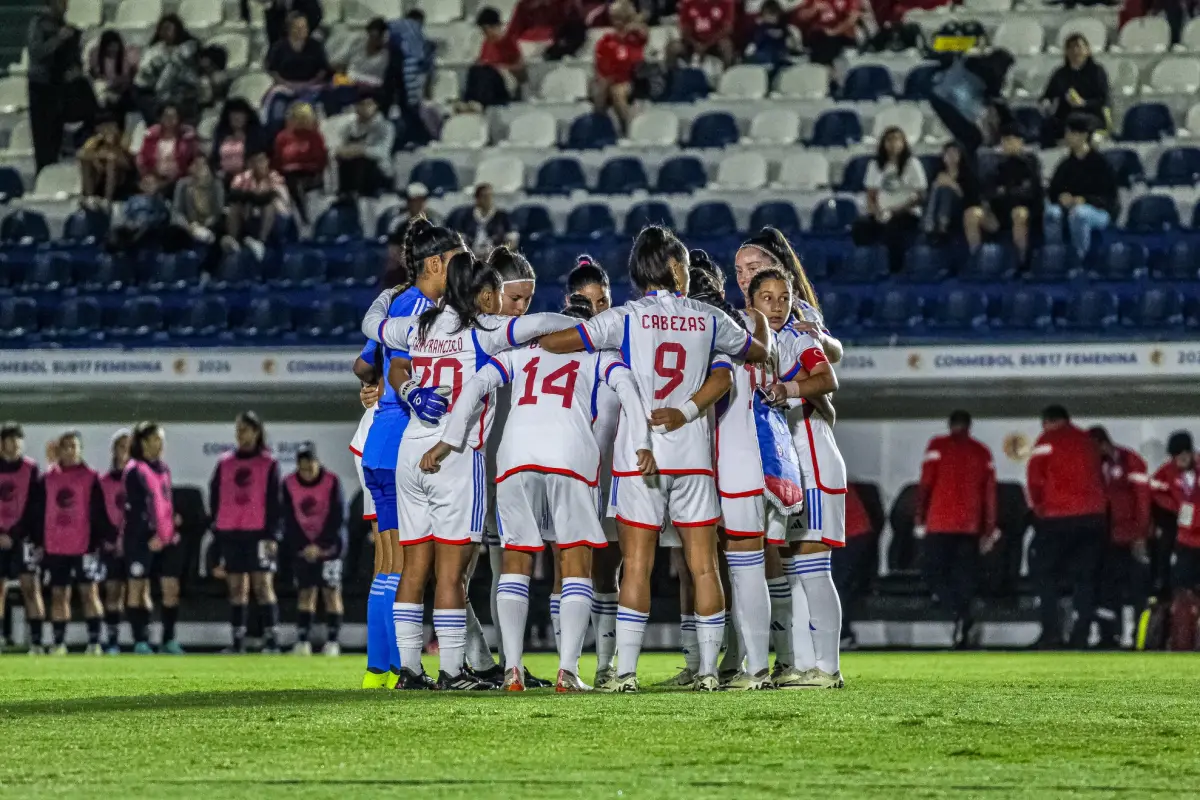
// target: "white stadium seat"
[[1175, 76], [14, 95], [654, 127], [20, 140], [1124, 77], [252, 87], [465, 131], [743, 82], [439, 12], [1191, 123], [334, 11], [741, 172], [506, 174], [137, 136], [505, 7], [360, 12], [907, 118], [237, 48], [1190, 39], [657, 40], [201, 15], [58, 182], [988, 6], [85, 14], [458, 43], [138, 15], [1031, 75], [536, 129], [774, 126], [1092, 29], [22, 65], [1145, 35], [803, 82], [803, 172], [1020, 35], [207, 127], [445, 86], [564, 85]]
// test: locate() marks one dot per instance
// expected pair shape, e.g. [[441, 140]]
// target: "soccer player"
[[244, 498], [314, 529], [151, 539], [18, 475], [112, 484], [381, 639], [69, 525], [548, 460], [669, 343]]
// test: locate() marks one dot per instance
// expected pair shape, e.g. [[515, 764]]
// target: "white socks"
[[710, 629], [815, 583], [802, 639], [575, 609], [555, 601], [631, 628], [781, 616], [450, 624], [690, 642], [496, 559], [732, 642], [604, 620], [479, 655], [751, 606], [409, 620], [512, 610]]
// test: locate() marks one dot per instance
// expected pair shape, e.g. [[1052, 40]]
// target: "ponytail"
[[141, 432], [510, 265], [466, 277], [708, 285], [424, 240], [775, 244]]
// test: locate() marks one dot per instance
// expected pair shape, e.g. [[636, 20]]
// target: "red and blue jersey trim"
[[587, 340]]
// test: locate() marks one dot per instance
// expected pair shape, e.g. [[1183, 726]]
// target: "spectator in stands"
[[496, 77], [1078, 87], [706, 27], [1176, 493], [773, 40], [113, 65], [1083, 191], [619, 53], [168, 149], [1123, 581], [896, 184], [1012, 196], [852, 569], [828, 27], [239, 131], [54, 59], [364, 151], [1065, 483], [487, 227], [276, 13], [300, 155], [365, 62], [214, 83], [956, 516], [413, 55], [199, 204], [953, 194], [258, 202], [141, 222], [416, 198], [107, 169], [298, 61], [168, 71]]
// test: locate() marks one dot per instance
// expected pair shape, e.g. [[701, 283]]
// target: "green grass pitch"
[[910, 725]]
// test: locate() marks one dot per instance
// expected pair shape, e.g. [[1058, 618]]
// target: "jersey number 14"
[[560, 383]]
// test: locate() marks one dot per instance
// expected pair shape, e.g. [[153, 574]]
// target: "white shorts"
[[824, 519], [447, 506], [368, 500], [688, 501], [527, 500], [744, 517]]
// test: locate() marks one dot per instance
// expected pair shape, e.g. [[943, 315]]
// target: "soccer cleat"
[[569, 683], [143, 649], [270, 650], [59, 650], [331, 649], [112, 650], [621, 684], [726, 675], [393, 678], [535, 683], [706, 683], [375, 680], [37, 650], [745, 682], [172, 648], [463, 682], [778, 669], [816, 679], [302, 649], [410, 681], [94, 650], [685, 678], [604, 675], [514, 680], [240, 650], [790, 678], [493, 674]]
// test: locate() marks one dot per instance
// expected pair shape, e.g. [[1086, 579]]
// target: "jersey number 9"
[[669, 360], [560, 383]]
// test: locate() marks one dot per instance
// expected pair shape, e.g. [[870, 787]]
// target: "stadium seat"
[[532, 221], [1122, 261], [350, 267], [50, 272], [1152, 213], [710, 219], [1092, 29], [237, 50], [505, 173], [268, 318], [896, 310], [591, 132], [1190, 38], [78, 318], [360, 12], [11, 185], [1156, 309], [907, 118], [743, 82], [236, 271], [85, 227], [85, 14], [686, 85], [1127, 165], [654, 127], [854, 173], [961, 310], [387, 220], [20, 140], [834, 216], [924, 264], [332, 318], [14, 95], [1179, 166], [105, 274], [302, 269], [340, 223], [251, 87], [535, 129], [774, 126], [837, 128], [140, 318], [1024, 310], [173, 271], [652, 212], [1090, 310], [715, 129], [1182, 262], [802, 82], [591, 221], [623, 175], [803, 172], [918, 83], [18, 318], [1021, 36], [841, 311], [437, 174], [865, 265], [445, 89], [559, 176], [866, 83], [564, 85], [206, 316], [681, 175], [1175, 76], [778, 214], [1145, 35], [24, 228], [439, 12], [200, 16], [1147, 122], [1050, 264], [990, 263], [58, 182], [745, 171], [464, 131]]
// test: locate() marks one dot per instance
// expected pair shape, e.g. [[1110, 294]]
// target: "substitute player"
[[18, 475], [112, 556], [315, 533]]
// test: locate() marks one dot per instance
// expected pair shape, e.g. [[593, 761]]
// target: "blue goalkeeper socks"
[[393, 648], [377, 651]]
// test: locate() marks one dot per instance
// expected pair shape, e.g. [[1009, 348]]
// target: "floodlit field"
[[925, 725]]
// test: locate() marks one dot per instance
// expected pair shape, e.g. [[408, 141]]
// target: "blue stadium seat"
[[1029, 122], [174, 271], [236, 271], [991, 262], [141, 319], [686, 85], [897, 309], [918, 84], [11, 185], [681, 175], [78, 318], [302, 269], [559, 176], [710, 219], [834, 216], [12, 271], [1182, 262], [1050, 263], [532, 221], [924, 264], [206, 317], [1156, 309], [836, 128], [931, 163], [1179, 166], [1090, 310], [387, 220], [591, 221], [1152, 213], [1127, 165], [104, 274], [841, 312], [777, 214], [338, 224], [652, 212], [591, 132], [24, 227], [865, 265], [350, 268], [18, 318], [1025, 310], [962, 310], [335, 318], [1147, 122], [623, 175], [714, 129], [1122, 261], [50, 272], [854, 173], [457, 217], [438, 175], [85, 227], [268, 318], [868, 82]]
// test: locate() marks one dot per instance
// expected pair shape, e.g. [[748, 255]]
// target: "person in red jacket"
[[852, 568], [706, 28], [1065, 483], [618, 55], [300, 155], [1176, 489], [168, 149], [956, 514]]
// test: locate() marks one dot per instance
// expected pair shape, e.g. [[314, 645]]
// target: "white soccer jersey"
[[739, 463], [364, 427], [820, 459], [668, 341]]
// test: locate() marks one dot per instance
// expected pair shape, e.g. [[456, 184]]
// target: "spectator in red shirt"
[[1070, 508], [168, 149], [956, 515], [1176, 490], [827, 27], [705, 28], [499, 71], [853, 567], [1123, 571], [301, 156], [618, 55]]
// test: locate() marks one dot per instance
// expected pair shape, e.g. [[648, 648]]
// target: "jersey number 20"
[[560, 383]]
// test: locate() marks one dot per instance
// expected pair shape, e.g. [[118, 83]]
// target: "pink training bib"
[[163, 505], [311, 504], [68, 509], [242, 492], [14, 493]]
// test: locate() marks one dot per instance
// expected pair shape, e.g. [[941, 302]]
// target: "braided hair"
[[579, 307], [466, 277], [708, 284]]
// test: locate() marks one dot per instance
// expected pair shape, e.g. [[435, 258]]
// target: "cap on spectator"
[[306, 451], [416, 191], [1179, 442], [1080, 123], [12, 430]]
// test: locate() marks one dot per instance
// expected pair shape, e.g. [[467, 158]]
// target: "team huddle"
[[601, 432]]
